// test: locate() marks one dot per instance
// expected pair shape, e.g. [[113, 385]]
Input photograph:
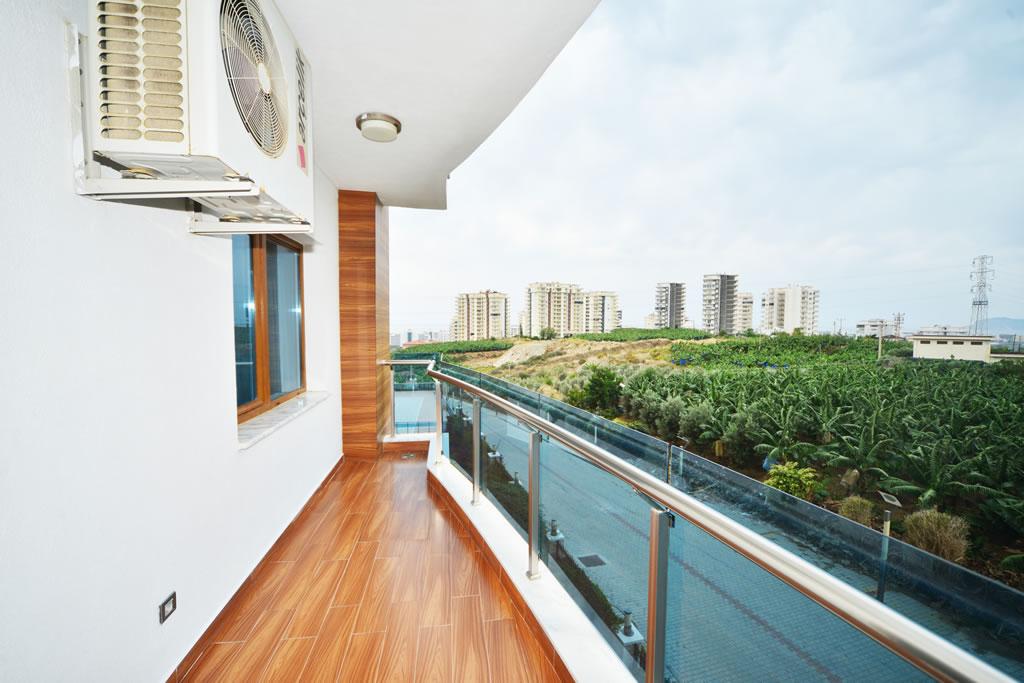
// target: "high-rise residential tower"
[[786, 309], [670, 304], [481, 315], [601, 312], [744, 320], [720, 302], [555, 305]]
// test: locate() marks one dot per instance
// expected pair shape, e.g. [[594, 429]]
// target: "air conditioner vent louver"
[[300, 68], [140, 70], [254, 73], [300, 109]]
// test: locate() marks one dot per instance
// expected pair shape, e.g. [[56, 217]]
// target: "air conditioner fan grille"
[[254, 73]]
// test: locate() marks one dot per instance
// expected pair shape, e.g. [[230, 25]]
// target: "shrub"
[[792, 479], [693, 418], [547, 333], [666, 417], [939, 533], [858, 509], [739, 437]]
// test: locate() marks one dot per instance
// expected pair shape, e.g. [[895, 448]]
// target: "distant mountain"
[[1005, 326]]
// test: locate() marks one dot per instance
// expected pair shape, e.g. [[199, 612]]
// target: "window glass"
[[284, 311], [245, 320]]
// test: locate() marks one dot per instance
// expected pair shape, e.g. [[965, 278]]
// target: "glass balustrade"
[[760, 627]]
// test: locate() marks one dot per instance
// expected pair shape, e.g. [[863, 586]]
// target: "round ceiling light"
[[378, 127]]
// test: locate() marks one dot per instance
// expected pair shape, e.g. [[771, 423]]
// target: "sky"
[[870, 149]]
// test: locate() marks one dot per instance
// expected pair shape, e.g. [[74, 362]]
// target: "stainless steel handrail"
[[408, 361], [925, 650]]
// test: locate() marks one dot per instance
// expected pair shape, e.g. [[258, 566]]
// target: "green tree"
[[603, 390], [547, 333]]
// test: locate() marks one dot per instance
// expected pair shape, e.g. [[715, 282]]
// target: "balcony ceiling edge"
[[450, 72]]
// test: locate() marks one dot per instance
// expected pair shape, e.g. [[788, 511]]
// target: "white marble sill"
[[262, 426]]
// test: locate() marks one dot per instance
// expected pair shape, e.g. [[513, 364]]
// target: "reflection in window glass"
[[284, 310], [245, 320]]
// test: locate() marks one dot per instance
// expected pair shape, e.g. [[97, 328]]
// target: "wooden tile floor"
[[376, 580]]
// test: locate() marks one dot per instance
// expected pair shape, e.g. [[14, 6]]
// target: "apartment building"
[[873, 326], [670, 305], [559, 306], [601, 312], [787, 309], [744, 320], [719, 298], [481, 315]]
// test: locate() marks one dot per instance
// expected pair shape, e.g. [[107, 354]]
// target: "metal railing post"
[[657, 588], [437, 416], [534, 520], [883, 559], [668, 463], [476, 450], [394, 405]]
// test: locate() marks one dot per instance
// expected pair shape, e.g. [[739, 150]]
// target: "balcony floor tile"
[[375, 580]]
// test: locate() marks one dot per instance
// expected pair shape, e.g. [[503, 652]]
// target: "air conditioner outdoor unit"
[[207, 99]]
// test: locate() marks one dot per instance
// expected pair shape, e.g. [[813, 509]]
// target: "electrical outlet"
[[168, 606]]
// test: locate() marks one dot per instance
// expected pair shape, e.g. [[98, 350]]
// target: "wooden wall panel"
[[363, 320]]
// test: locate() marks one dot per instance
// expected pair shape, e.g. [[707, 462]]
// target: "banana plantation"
[[937, 434]]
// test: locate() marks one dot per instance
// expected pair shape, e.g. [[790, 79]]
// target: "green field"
[[630, 334], [456, 347], [784, 351]]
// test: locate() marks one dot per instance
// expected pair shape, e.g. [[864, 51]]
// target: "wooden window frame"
[[258, 257]]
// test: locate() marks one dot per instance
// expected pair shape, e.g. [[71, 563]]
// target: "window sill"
[[262, 426]]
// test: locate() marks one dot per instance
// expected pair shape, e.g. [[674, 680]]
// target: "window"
[[269, 355], [958, 343], [975, 343], [925, 341], [941, 342]]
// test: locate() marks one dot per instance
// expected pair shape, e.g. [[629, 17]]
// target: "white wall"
[[120, 477], [951, 347]]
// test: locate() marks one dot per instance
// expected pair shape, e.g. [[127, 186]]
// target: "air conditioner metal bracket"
[[144, 188]]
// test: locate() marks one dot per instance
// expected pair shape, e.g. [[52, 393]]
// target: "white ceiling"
[[450, 70]]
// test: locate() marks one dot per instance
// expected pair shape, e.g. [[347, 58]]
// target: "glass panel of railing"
[[637, 448], [594, 539], [974, 612], [457, 413], [414, 399], [504, 471], [728, 619]]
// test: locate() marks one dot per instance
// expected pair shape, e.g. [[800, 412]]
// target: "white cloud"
[[870, 149]]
